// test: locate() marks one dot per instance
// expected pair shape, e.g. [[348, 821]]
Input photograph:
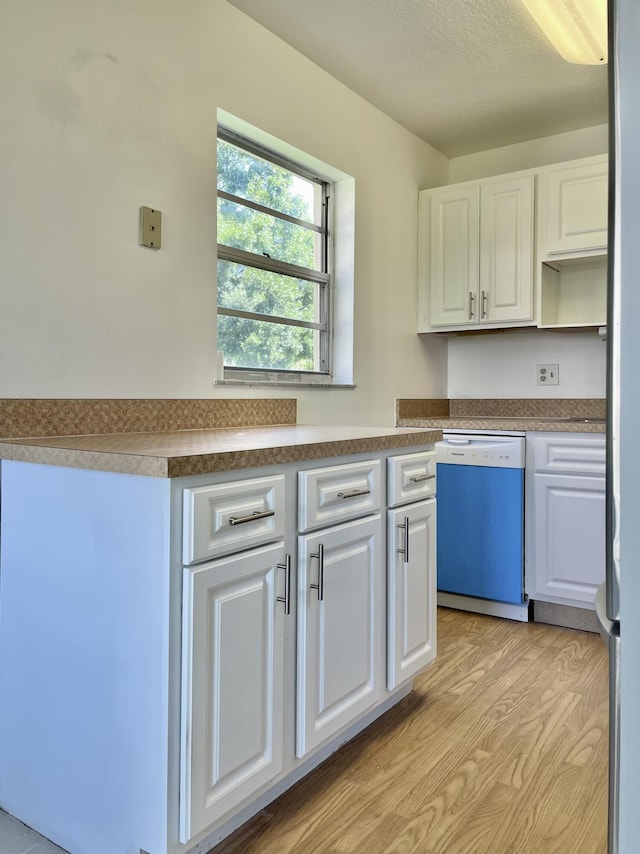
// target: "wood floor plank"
[[500, 749]]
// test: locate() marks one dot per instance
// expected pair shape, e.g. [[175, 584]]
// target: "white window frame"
[[321, 277], [342, 245]]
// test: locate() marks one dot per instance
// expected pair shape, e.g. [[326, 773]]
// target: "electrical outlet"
[[548, 375]]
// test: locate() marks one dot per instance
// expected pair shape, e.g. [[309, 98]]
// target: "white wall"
[[504, 365], [586, 142], [110, 106]]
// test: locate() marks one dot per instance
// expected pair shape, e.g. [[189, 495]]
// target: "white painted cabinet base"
[[411, 591], [340, 628], [569, 538], [565, 524], [232, 683], [153, 706]]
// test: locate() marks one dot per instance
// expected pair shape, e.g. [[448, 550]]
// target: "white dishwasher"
[[480, 532]]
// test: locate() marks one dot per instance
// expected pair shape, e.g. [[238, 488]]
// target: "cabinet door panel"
[[339, 670], [568, 454], [454, 216], [411, 477], [506, 250], [576, 209], [232, 684], [569, 544], [411, 591], [333, 494], [228, 517]]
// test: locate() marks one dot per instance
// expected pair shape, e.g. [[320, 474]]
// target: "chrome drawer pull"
[[471, 311], [405, 551], [419, 478], [319, 555], [240, 520], [353, 493], [287, 584]]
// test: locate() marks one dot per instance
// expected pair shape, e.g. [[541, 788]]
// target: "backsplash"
[[20, 418], [412, 408], [557, 407], [422, 407]]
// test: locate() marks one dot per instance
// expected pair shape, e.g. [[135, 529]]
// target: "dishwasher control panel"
[[477, 450]]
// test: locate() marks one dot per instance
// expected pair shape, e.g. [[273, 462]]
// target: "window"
[[274, 303]]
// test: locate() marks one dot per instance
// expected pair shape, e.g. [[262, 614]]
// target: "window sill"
[[289, 384]]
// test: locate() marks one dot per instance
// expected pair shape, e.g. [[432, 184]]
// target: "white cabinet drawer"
[[337, 493], [411, 477], [572, 454], [231, 517]]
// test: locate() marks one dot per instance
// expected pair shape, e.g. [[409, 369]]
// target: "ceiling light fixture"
[[576, 28]]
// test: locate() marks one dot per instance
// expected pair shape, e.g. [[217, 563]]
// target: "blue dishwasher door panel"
[[480, 532]]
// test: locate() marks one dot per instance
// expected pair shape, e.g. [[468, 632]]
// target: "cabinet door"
[[454, 231], [232, 683], [411, 590], [569, 539], [575, 205], [340, 628], [506, 251]]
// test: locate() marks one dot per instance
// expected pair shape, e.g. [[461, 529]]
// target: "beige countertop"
[[481, 422], [188, 452]]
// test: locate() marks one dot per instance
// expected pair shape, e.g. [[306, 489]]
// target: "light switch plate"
[[150, 227]]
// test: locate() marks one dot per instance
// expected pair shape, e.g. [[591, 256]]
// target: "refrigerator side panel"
[[627, 120]]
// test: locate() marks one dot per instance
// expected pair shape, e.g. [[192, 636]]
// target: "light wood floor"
[[501, 749]]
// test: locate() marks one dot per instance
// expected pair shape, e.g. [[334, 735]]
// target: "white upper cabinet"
[[450, 237], [525, 249], [506, 251], [572, 260], [573, 210], [476, 255]]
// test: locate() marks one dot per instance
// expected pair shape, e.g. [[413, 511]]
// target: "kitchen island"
[[192, 620]]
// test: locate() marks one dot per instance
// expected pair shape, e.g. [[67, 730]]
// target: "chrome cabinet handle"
[[287, 584], [320, 585], [419, 478], [485, 297], [471, 299], [405, 551], [353, 493], [240, 520]]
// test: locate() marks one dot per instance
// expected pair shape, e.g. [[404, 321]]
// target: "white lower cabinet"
[[238, 642], [566, 518], [411, 591], [232, 682], [569, 538], [340, 629]]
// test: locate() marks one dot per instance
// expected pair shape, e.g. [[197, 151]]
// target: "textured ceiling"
[[465, 75]]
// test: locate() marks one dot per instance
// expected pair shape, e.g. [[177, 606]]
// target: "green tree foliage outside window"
[[256, 342]]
